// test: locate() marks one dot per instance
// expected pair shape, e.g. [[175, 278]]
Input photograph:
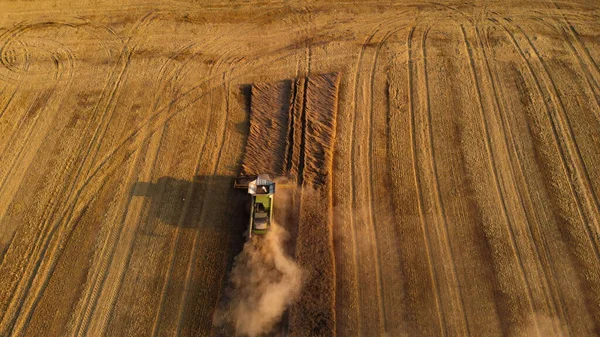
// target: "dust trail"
[[264, 282]]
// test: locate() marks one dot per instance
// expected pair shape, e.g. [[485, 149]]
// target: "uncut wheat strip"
[[266, 146], [315, 312]]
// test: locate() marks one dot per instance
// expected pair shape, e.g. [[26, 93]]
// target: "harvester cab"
[[261, 189]]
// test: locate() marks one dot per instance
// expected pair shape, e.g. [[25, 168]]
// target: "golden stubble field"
[[459, 195]]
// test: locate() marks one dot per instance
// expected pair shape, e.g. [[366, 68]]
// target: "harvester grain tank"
[[261, 189]]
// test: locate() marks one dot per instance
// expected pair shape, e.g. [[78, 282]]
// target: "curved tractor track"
[[443, 156]]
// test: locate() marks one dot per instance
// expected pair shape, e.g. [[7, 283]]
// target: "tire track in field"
[[155, 149], [355, 255], [43, 241], [372, 214], [155, 122], [580, 181], [17, 291], [544, 258], [493, 168], [431, 263], [184, 214], [591, 65], [106, 317], [190, 269], [4, 194], [160, 110], [587, 69], [574, 167], [72, 211], [18, 142], [36, 109], [440, 209], [106, 258], [127, 51], [12, 96], [101, 275], [354, 202], [108, 111], [193, 254], [21, 28], [580, 212], [17, 127], [17, 63], [169, 86], [23, 157], [591, 82]]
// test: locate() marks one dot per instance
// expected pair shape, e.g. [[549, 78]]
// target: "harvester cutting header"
[[261, 189]]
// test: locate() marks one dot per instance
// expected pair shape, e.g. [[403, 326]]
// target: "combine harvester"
[[261, 189]]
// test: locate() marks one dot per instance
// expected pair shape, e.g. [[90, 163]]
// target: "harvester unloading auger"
[[261, 189]]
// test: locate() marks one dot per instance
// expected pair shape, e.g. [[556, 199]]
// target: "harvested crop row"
[[292, 130], [265, 150], [314, 314]]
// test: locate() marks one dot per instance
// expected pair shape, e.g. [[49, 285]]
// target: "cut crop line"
[[17, 128], [106, 257], [49, 209], [302, 156], [416, 169], [193, 255], [290, 136], [591, 61], [23, 142], [355, 255], [46, 240], [510, 143], [585, 69], [369, 136], [494, 171], [122, 272], [577, 163], [91, 303], [8, 102], [111, 106], [567, 169]]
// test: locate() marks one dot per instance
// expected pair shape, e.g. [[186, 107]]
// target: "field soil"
[[441, 164]]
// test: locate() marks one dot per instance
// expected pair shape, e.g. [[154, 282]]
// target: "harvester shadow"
[[204, 214], [207, 203]]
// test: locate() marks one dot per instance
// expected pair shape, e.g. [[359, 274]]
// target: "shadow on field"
[[204, 202], [211, 218], [173, 200]]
